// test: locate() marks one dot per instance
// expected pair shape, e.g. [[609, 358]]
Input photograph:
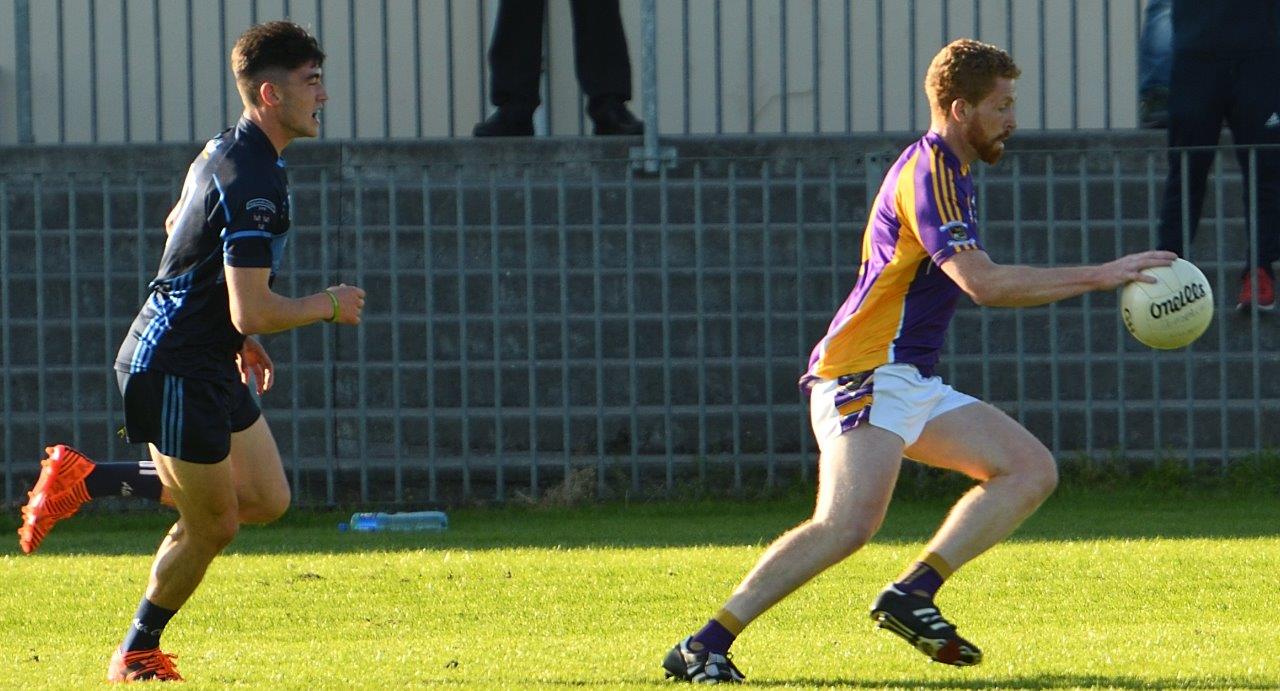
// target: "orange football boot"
[[142, 665], [58, 494]]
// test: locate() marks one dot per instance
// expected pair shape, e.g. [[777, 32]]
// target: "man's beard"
[[989, 150]]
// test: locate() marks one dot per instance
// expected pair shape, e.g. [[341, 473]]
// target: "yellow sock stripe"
[[938, 564], [730, 622]]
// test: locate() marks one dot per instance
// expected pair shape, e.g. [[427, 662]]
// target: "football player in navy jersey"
[[186, 365]]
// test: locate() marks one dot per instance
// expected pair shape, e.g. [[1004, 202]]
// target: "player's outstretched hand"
[[1128, 268], [350, 303]]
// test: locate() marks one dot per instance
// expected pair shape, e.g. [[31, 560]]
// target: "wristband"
[[334, 299]]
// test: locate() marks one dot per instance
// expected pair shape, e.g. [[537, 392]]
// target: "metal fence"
[[534, 325], [157, 70]]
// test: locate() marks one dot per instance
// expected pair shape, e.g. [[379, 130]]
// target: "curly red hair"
[[966, 69]]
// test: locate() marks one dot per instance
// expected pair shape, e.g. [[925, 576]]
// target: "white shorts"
[[893, 397]]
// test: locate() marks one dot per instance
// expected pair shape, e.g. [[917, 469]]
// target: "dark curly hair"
[[271, 45], [966, 69]]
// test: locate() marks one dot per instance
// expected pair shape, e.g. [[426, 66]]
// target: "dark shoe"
[[700, 667], [1153, 109], [506, 121], [611, 116], [917, 620], [1257, 290]]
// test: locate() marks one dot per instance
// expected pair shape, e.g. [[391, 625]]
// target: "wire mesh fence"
[[533, 324]]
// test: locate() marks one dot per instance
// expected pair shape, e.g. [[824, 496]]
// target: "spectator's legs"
[[1196, 110], [515, 53], [600, 49], [1155, 61], [1155, 48], [1254, 118], [515, 69], [603, 65]]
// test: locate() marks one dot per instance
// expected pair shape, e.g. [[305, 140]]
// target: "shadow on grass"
[[1037, 681], [1072, 515]]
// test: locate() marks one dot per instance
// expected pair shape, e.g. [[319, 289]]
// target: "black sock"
[[715, 637], [124, 480], [148, 624], [924, 577]]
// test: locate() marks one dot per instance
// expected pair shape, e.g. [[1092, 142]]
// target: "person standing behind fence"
[[600, 59], [873, 394], [185, 364], [1225, 58], [1155, 59]]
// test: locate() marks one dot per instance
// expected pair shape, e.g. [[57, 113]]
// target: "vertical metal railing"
[[6, 347], [649, 82], [1220, 279], [429, 331], [1255, 345], [753, 68], [1118, 249]]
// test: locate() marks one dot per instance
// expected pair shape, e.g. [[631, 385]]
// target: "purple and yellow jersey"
[[902, 303]]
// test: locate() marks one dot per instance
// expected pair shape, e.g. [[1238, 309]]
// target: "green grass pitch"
[[1123, 589]]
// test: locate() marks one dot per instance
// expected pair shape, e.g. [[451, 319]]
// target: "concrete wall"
[[115, 70]]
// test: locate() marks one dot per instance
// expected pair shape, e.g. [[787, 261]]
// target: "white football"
[[1173, 311]]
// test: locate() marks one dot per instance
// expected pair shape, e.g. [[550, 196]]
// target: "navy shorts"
[[189, 419]]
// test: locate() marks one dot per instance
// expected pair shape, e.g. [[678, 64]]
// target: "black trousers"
[[599, 50], [1243, 90]]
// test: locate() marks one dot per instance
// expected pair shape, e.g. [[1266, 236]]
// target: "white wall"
[[389, 76]]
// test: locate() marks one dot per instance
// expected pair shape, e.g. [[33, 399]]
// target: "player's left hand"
[[1129, 268], [253, 360]]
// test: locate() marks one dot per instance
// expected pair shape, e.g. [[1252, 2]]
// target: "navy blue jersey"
[[1226, 28], [234, 211]]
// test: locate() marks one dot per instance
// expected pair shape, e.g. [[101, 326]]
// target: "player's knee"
[[216, 530], [843, 538], [1040, 474], [852, 541], [266, 508], [275, 506], [1049, 478]]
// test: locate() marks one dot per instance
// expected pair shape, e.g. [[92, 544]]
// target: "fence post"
[[650, 157], [649, 78], [22, 51]]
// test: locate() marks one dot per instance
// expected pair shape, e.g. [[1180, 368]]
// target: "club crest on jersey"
[[262, 211], [258, 203], [958, 232]]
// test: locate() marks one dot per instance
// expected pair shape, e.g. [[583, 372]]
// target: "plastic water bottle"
[[430, 521]]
